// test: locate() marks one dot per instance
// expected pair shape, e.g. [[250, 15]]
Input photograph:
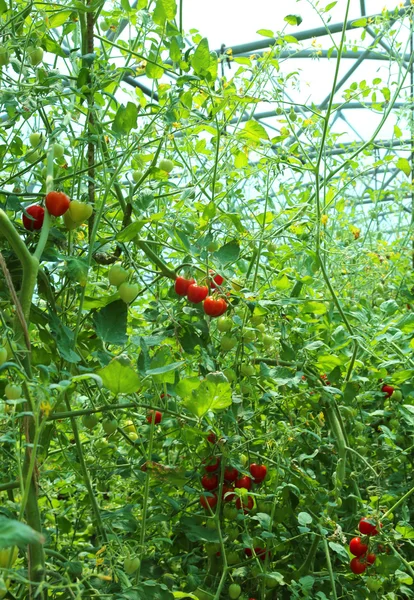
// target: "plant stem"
[[329, 564]]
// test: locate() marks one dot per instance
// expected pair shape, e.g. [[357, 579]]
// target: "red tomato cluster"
[[213, 306], [359, 549]]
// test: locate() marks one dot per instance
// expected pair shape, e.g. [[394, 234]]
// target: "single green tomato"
[[224, 324], [166, 164], [117, 275], [110, 427], [128, 292], [35, 138], [267, 340], [90, 421], [213, 246], [3, 355], [232, 558], [234, 591], [397, 396], [8, 555], [79, 211], [4, 57], [131, 565], [249, 335], [13, 391], [228, 342], [136, 176], [373, 584], [58, 150], [247, 370], [230, 374], [35, 56]]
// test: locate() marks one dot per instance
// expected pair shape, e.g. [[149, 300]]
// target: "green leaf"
[[228, 253], [397, 131], [165, 368], [404, 166], [154, 71], [175, 50], [58, 18], [241, 160], [165, 10], [255, 131], [327, 362], [64, 339], [130, 232], [304, 518], [77, 270], [208, 397], [3, 7], [266, 33], [201, 58], [317, 308], [293, 19], [163, 365], [197, 533], [50, 45], [330, 6], [125, 119], [14, 533], [360, 22], [111, 323], [387, 565], [119, 377], [339, 550], [406, 531]]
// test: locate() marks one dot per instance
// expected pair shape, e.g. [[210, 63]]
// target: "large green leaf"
[[255, 131], [201, 58], [165, 10], [208, 397], [119, 377], [228, 253], [125, 119], [14, 533], [111, 323]]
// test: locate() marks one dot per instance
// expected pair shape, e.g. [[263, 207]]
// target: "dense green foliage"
[[121, 399]]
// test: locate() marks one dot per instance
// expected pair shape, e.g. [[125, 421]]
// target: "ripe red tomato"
[[258, 472], [57, 203], [212, 438], [217, 280], [214, 307], [157, 417], [213, 464], [208, 501], [231, 474], [197, 293], [367, 527], [357, 566], [356, 547], [248, 552], [244, 482], [388, 390], [261, 553], [245, 503], [371, 558], [226, 490], [209, 482], [38, 213], [181, 285]]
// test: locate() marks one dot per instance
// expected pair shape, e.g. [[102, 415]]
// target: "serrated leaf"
[[404, 166], [15, 533], [254, 131], [208, 396], [119, 376], [125, 119], [165, 10], [201, 58], [228, 253], [154, 71]]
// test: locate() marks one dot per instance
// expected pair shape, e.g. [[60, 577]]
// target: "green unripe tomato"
[[270, 582], [58, 150], [224, 324], [271, 247], [8, 555], [267, 340], [233, 533], [35, 56], [232, 558], [230, 512], [292, 116], [136, 176], [117, 275], [228, 342], [249, 335], [35, 138], [394, 423], [33, 156], [13, 391], [131, 565], [230, 374], [166, 164], [211, 524], [79, 211], [234, 591], [3, 355], [90, 421], [128, 292], [244, 459], [104, 26], [257, 320], [397, 396], [265, 506], [213, 246], [4, 56], [261, 327], [110, 427], [247, 370], [373, 584]]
